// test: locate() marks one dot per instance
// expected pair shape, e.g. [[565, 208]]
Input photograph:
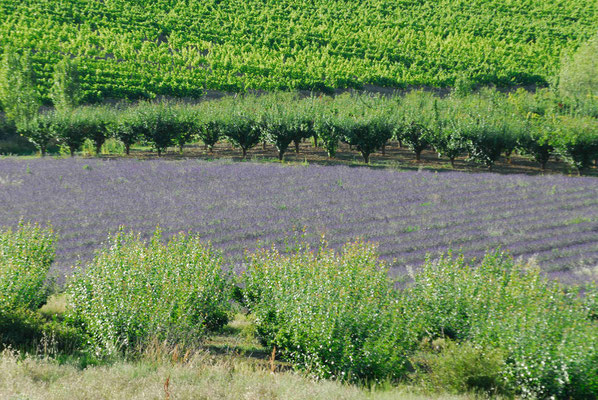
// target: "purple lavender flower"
[[235, 205]]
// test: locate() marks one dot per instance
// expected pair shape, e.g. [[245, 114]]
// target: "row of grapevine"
[[179, 48]]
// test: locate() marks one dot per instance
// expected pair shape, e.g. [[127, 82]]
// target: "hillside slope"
[[179, 47]]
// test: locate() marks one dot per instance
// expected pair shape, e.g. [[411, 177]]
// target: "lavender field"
[[234, 205]]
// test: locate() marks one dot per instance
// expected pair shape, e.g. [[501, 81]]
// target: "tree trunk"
[[366, 157], [72, 150], [400, 143], [296, 146], [280, 154], [42, 150], [244, 152], [384, 149], [98, 148], [159, 152], [543, 165], [508, 156], [418, 155], [452, 162], [315, 141], [263, 145], [127, 148], [181, 148]]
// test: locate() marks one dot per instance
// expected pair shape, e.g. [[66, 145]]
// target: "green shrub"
[[549, 344], [463, 86], [418, 119], [71, 129], [286, 119], [416, 136], [445, 365], [29, 331], [210, 121], [449, 141], [329, 131], [26, 254], [210, 132], [127, 126], [186, 125], [135, 291], [241, 131], [161, 125], [95, 124], [331, 314], [485, 141], [367, 135], [448, 133], [542, 102], [18, 94], [366, 123]]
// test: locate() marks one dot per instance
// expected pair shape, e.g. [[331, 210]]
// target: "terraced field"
[[235, 205], [181, 47]]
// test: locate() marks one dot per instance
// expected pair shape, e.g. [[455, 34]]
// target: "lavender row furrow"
[[238, 205]]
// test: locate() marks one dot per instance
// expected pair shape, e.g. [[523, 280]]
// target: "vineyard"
[[182, 48]]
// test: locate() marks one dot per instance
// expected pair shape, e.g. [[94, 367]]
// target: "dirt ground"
[[394, 157]]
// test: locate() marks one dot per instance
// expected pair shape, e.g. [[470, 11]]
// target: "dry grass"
[[203, 376], [231, 365]]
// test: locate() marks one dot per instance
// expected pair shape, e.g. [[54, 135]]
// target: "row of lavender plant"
[[235, 205], [484, 126]]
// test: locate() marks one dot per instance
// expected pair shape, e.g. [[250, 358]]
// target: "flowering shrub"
[[549, 344], [26, 254], [329, 313], [134, 291], [505, 328]]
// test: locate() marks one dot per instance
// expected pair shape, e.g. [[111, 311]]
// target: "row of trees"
[[483, 126]]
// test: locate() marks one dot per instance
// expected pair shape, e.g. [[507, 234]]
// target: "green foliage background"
[[180, 47]]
